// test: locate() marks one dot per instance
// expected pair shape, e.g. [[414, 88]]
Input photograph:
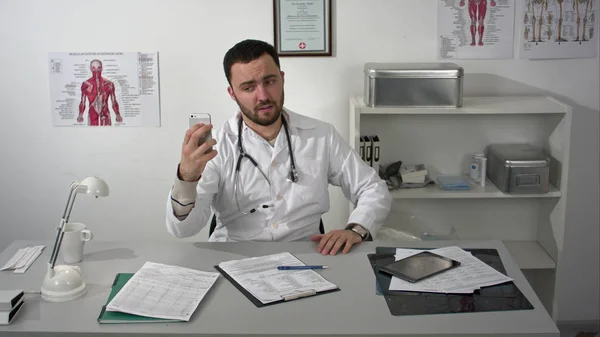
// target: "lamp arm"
[[63, 221], [72, 189], [70, 208]]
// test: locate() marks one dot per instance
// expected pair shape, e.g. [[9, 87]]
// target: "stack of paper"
[[471, 275], [163, 291], [23, 258]]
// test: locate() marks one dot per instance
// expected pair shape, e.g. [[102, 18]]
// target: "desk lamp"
[[65, 283]]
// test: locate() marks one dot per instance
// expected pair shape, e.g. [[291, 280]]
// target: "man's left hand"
[[331, 242]]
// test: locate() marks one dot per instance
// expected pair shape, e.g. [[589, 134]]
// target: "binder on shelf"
[[361, 148], [376, 150], [368, 150], [284, 298], [121, 317]]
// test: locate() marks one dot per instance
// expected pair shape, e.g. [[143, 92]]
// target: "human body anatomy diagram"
[[477, 12], [97, 90], [559, 21]]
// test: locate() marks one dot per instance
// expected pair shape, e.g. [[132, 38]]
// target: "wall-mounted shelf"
[[477, 106], [489, 191]]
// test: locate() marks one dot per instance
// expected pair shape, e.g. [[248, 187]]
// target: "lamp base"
[[63, 284]]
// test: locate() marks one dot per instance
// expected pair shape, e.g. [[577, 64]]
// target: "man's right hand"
[[193, 156], [79, 119]]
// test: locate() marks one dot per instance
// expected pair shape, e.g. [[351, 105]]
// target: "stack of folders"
[[472, 274], [369, 150], [156, 293], [11, 302]]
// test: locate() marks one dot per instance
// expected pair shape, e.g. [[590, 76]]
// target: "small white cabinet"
[[532, 226]]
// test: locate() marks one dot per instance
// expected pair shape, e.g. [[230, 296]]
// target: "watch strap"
[[353, 227]]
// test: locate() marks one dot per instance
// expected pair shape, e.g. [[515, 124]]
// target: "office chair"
[[213, 225]]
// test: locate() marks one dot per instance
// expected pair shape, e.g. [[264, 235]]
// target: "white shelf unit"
[[532, 226], [489, 191]]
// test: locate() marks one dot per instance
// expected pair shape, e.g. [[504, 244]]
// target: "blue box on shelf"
[[453, 183]]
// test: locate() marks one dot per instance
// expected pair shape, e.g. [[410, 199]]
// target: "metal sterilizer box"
[[518, 168], [413, 84]]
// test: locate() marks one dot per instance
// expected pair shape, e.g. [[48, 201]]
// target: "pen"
[[300, 267]]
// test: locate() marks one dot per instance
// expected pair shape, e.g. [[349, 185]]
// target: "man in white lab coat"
[[265, 173]]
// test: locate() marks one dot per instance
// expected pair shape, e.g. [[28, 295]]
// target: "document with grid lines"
[[163, 291]]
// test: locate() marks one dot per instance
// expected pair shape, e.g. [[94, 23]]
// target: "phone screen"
[[420, 266], [201, 118]]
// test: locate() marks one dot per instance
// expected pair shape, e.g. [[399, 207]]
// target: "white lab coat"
[[321, 157]]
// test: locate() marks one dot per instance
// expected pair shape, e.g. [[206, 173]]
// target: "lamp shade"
[[94, 186]]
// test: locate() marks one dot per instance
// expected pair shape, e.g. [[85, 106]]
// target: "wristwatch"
[[358, 229]]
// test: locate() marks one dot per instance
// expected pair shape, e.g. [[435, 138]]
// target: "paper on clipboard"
[[261, 278]]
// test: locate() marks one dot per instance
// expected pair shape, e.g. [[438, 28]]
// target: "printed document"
[[163, 291], [260, 277], [471, 275], [23, 258]]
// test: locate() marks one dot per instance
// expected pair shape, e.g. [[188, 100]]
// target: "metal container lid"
[[520, 155], [413, 70]]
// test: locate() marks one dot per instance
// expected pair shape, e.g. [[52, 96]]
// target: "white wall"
[[39, 161]]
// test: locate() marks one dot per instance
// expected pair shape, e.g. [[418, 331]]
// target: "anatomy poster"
[[476, 29], [104, 89], [558, 29]]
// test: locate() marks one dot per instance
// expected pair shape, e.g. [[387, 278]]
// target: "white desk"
[[356, 310]]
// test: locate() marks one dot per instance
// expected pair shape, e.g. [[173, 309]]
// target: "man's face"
[[257, 87], [96, 67]]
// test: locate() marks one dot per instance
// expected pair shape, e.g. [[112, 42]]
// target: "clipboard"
[[290, 297]]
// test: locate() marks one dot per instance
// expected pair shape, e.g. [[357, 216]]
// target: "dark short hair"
[[245, 52]]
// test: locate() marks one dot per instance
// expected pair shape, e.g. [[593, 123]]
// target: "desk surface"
[[356, 310]]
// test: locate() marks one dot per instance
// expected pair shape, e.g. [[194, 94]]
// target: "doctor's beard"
[[254, 116]]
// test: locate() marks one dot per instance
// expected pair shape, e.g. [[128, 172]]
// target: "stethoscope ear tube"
[[293, 173], [292, 176]]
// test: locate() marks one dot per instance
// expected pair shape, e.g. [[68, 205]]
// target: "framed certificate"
[[302, 28]]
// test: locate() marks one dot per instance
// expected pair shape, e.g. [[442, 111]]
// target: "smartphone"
[[420, 266], [201, 118]]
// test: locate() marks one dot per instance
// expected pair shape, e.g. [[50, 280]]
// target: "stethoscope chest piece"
[[293, 176]]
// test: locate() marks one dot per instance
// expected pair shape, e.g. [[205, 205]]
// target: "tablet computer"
[[420, 266]]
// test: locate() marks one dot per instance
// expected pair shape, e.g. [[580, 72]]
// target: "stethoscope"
[[293, 174]]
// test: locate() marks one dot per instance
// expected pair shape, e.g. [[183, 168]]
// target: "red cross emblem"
[[302, 45]]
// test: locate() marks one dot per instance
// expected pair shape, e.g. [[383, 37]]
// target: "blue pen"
[[300, 267]]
